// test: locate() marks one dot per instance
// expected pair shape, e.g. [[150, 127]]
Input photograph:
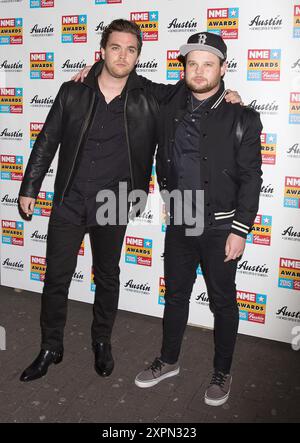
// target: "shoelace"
[[156, 366], [219, 379]]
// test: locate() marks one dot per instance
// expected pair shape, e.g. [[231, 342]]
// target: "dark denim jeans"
[[182, 256], [64, 240]]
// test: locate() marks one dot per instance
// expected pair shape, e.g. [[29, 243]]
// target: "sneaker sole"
[[211, 402], [150, 383]]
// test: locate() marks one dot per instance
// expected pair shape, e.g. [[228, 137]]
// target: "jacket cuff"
[[240, 229]]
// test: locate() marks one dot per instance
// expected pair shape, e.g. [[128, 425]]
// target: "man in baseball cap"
[[211, 147]]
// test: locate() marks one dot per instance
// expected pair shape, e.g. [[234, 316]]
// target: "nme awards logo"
[[292, 192], [261, 231], [93, 286], [162, 291], [43, 204], [11, 66], [289, 273], [263, 64], [42, 3], [296, 33], [138, 251], [185, 26], [13, 232], [224, 22], [74, 29], [152, 181], [11, 100], [37, 268], [268, 148], [252, 306], [175, 70], [11, 167], [35, 129], [107, 2], [11, 31], [148, 23], [42, 65], [294, 117]]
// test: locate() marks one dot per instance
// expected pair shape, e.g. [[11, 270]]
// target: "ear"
[[102, 51], [224, 68]]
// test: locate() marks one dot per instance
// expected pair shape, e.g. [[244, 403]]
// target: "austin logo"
[[262, 24], [290, 233], [186, 26], [15, 265]]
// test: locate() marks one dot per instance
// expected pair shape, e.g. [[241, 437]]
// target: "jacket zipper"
[[78, 146], [127, 140]]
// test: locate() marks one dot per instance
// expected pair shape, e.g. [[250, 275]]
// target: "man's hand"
[[81, 74], [234, 247], [27, 205], [233, 97]]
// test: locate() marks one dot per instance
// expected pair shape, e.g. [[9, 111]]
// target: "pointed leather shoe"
[[104, 362], [40, 365]]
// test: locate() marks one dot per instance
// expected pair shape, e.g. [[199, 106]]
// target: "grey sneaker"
[[157, 372], [218, 391]]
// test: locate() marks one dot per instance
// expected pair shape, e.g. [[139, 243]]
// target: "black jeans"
[[182, 256], [64, 240]]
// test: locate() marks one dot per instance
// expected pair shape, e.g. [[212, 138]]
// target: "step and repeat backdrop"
[[44, 42]]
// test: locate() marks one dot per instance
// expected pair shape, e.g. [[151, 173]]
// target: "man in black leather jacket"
[[210, 145], [107, 131]]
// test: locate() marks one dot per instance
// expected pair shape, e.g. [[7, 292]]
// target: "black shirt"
[[103, 162]]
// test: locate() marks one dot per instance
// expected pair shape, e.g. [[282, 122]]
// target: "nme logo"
[[162, 291], [289, 273], [224, 22], [11, 31], [296, 30], [37, 268], [11, 167], [252, 306], [148, 23], [292, 192], [261, 231], [11, 100], [268, 148], [138, 251], [263, 64], [13, 232], [74, 28], [43, 204], [42, 65], [35, 129], [175, 69], [294, 117]]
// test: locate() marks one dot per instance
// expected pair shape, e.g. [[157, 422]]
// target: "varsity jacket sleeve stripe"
[[248, 158]]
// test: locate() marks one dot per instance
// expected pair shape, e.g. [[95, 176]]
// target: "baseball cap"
[[205, 41]]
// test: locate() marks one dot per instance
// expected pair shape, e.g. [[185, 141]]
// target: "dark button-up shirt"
[[103, 162]]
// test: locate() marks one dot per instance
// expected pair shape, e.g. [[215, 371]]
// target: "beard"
[[205, 87]]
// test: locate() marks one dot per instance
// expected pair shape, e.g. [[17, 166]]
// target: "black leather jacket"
[[67, 124]]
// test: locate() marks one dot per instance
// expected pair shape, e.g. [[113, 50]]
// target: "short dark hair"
[[121, 25]]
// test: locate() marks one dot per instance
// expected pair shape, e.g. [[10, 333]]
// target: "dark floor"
[[266, 374]]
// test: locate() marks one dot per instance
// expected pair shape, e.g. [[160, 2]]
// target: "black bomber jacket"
[[230, 150]]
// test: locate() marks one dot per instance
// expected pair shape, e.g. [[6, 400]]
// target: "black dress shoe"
[[40, 365], [104, 362]]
